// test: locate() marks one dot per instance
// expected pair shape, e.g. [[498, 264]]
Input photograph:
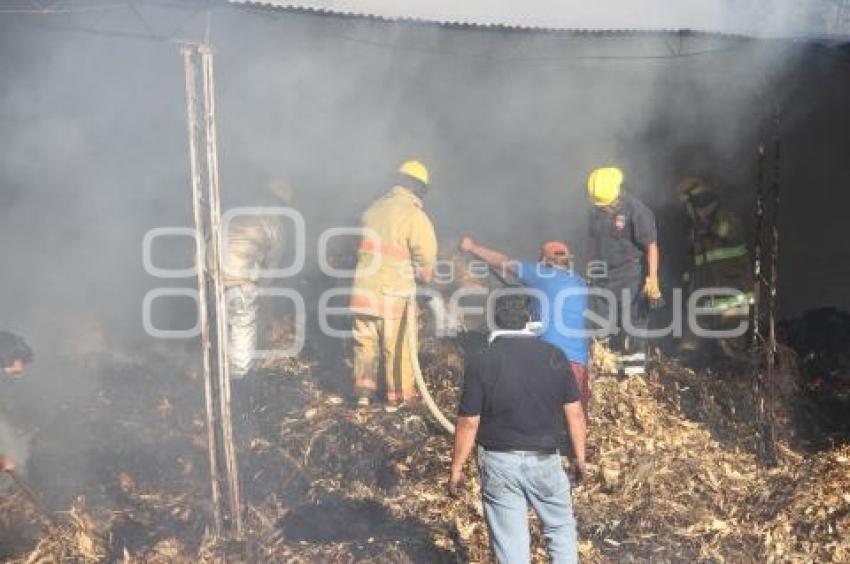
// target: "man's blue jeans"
[[512, 480]]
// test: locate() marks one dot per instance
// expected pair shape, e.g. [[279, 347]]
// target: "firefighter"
[[624, 259], [719, 259], [398, 247], [255, 243], [15, 357]]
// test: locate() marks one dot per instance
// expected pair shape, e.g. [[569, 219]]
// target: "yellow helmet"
[[603, 185], [415, 169]]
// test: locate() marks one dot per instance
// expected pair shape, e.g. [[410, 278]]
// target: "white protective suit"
[[255, 244]]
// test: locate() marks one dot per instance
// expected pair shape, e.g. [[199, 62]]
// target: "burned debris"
[[674, 475], [184, 436]]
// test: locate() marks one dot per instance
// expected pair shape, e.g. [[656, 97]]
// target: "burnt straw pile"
[[673, 475]]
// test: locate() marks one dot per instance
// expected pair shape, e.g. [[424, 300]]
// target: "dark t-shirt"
[[518, 386], [621, 236]]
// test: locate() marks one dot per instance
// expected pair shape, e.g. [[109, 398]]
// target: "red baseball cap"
[[555, 249]]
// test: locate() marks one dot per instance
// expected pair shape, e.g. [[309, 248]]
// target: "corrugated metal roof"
[[784, 18]]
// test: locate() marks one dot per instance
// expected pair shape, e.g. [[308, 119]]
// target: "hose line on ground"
[[410, 314]]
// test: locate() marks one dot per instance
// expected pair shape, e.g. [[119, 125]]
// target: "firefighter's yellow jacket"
[[398, 243]]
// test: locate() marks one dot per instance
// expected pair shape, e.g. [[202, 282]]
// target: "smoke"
[[510, 122]]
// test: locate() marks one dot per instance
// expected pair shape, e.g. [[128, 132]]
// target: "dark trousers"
[[627, 288]]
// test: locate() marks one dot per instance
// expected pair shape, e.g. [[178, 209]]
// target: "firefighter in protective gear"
[[720, 259], [624, 260], [398, 247], [254, 244]]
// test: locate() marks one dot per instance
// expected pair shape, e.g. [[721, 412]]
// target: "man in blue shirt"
[[566, 300]]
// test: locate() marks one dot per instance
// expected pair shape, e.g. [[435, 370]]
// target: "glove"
[[651, 289], [653, 293]]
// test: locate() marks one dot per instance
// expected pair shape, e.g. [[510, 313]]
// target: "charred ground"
[[674, 475]]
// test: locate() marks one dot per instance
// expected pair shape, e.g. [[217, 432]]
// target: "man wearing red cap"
[[566, 300]]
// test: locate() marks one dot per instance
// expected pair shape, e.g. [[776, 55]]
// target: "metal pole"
[[200, 263], [226, 419]]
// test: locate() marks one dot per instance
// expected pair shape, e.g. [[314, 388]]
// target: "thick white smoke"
[[94, 139]]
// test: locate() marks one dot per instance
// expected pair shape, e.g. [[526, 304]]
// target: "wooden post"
[[212, 292], [226, 417], [198, 208], [770, 347], [763, 317]]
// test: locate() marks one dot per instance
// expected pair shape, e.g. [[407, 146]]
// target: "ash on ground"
[[673, 474]]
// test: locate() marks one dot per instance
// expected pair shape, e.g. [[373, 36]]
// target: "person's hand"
[[455, 484], [579, 468], [651, 289], [7, 463], [466, 243]]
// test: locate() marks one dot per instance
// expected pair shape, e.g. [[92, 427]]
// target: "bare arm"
[[492, 257], [465, 431], [652, 258], [577, 428]]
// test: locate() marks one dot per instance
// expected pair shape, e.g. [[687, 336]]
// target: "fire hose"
[[413, 350], [410, 318]]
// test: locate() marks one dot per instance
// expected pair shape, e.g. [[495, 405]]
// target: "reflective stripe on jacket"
[[722, 240], [720, 253], [399, 239]]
